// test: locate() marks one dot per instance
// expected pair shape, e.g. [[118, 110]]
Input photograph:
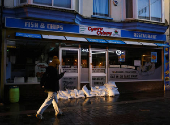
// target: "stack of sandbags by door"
[[108, 89], [70, 94]]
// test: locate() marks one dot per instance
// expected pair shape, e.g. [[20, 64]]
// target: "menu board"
[[122, 73], [98, 80], [69, 83]]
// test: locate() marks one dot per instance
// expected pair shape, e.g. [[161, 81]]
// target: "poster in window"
[[154, 57], [121, 58]]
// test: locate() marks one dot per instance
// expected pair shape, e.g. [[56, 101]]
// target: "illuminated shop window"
[[138, 64]]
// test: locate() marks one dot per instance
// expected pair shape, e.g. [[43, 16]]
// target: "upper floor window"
[[145, 9], [23, 1], [57, 3], [101, 7], [150, 9]]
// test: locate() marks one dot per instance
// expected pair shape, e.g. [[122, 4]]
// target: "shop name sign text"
[[43, 25], [40, 25], [143, 35], [100, 31]]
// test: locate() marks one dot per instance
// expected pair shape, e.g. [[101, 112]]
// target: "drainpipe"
[[1, 26]]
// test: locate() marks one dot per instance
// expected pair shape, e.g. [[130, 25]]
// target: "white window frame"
[[31, 2], [135, 12]]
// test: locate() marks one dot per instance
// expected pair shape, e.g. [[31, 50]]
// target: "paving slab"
[[145, 108]]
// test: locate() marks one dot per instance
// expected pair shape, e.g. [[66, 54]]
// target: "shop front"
[[90, 55]]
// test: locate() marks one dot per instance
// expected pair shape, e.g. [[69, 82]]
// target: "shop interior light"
[[111, 52], [98, 52], [11, 46]]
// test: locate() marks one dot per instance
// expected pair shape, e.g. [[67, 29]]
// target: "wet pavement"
[[145, 108]]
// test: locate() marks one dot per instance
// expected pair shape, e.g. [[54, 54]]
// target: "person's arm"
[[61, 75]]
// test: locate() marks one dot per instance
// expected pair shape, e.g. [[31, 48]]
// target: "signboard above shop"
[[40, 25], [81, 29]]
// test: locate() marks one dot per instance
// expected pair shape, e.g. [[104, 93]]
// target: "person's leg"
[[46, 103], [54, 102]]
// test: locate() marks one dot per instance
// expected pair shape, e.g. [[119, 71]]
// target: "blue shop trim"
[[96, 40], [115, 41], [72, 28], [143, 35], [163, 45], [28, 35]]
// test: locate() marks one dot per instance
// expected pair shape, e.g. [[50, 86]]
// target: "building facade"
[[96, 41]]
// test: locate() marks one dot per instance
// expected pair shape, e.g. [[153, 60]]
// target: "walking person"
[[51, 87]]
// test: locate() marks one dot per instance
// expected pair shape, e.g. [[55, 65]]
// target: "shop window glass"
[[27, 61], [85, 58], [58, 3], [70, 61], [101, 7], [129, 8], [98, 62], [150, 9], [143, 9], [44, 2], [139, 64], [156, 7], [62, 3], [84, 64], [23, 1]]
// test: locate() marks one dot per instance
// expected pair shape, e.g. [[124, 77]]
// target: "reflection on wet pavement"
[[93, 111]]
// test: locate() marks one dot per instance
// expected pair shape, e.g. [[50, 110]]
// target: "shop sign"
[[154, 57], [96, 40], [163, 45], [69, 83], [116, 41], [40, 25], [121, 57], [166, 68], [99, 31], [28, 35], [98, 80], [142, 35]]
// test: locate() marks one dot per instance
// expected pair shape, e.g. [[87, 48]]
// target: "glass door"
[[98, 67], [69, 62]]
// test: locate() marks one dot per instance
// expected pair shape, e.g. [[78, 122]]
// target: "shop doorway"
[[98, 67], [69, 58]]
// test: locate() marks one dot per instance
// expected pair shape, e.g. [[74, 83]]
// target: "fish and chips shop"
[[90, 55]]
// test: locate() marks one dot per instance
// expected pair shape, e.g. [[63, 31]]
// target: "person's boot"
[[39, 116]]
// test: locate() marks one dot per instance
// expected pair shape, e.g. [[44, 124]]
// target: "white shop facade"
[[90, 55]]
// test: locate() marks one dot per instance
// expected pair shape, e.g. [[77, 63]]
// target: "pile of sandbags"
[[70, 94], [109, 89]]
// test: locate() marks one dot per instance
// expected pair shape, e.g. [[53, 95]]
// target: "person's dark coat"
[[53, 80]]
